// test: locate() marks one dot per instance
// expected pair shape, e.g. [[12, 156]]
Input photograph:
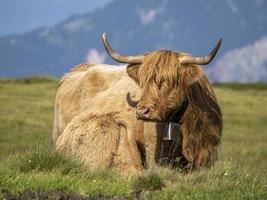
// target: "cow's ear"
[[132, 71]]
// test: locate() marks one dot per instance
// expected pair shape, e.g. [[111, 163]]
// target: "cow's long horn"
[[201, 60], [118, 57]]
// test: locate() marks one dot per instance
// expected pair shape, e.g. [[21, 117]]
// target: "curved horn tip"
[[219, 42], [202, 60], [215, 50], [104, 34]]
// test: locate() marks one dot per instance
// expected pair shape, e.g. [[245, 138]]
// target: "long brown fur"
[[167, 84]]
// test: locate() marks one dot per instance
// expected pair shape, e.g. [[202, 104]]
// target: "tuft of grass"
[[150, 181], [43, 158]]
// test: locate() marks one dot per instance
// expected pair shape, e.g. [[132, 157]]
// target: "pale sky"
[[17, 16]]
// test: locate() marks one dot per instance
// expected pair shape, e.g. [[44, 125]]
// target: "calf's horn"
[[119, 58], [201, 60]]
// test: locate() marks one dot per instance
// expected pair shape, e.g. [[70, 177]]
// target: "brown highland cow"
[[116, 116]]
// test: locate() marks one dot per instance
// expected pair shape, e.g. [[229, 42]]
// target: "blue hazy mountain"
[[135, 27]]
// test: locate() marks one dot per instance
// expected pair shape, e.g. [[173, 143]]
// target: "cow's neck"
[[174, 119], [177, 115]]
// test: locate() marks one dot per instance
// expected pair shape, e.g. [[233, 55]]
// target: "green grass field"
[[30, 167]]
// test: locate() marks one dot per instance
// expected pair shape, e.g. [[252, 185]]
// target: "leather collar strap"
[[176, 116]]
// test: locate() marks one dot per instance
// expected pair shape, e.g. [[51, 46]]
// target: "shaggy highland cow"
[[112, 116]]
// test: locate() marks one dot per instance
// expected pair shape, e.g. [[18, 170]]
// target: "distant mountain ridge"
[[134, 27], [246, 64]]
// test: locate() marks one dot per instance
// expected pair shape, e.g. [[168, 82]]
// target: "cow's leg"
[[153, 134], [92, 139], [100, 142], [128, 157]]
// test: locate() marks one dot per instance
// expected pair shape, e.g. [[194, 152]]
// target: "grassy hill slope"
[[30, 168]]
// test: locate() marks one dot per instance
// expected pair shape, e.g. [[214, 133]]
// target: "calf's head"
[[164, 76]]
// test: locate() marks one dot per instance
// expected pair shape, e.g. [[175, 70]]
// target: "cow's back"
[[78, 88]]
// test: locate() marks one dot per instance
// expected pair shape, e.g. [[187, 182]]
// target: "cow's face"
[[158, 101], [164, 77], [159, 77]]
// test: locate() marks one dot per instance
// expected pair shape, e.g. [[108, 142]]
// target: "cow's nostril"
[[145, 111]]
